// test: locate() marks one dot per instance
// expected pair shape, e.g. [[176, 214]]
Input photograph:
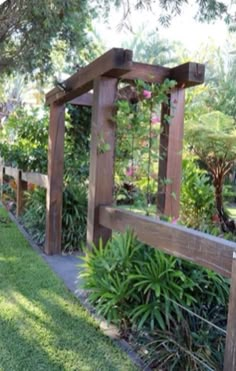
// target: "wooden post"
[[55, 179], [101, 156], [21, 187], [230, 347], [170, 161], [2, 171]]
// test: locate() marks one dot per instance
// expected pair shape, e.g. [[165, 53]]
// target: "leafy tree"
[[207, 10], [213, 139], [31, 29], [148, 47]]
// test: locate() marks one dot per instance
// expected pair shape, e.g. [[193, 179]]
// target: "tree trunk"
[[227, 225]]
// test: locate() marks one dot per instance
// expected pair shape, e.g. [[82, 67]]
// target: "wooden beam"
[[11, 171], [201, 248], [40, 180], [83, 100], [230, 346], [55, 179], [2, 172], [147, 72], [21, 187], [114, 63], [101, 172], [188, 74], [170, 155]]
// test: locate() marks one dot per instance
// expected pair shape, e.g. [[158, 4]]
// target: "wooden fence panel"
[[201, 248]]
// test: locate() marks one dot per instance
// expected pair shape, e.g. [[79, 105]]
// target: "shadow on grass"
[[42, 326]]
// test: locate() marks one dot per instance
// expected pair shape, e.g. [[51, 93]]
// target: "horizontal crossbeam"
[[118, 63], [114, 63], [208, 251]]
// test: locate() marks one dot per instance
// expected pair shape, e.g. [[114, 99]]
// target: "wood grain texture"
[[188, 74], [170, 155], [38, 179], [203, 249], [55, 179], [113, 63], [147, 72], [101, 172], [230, 346], [21, 187]]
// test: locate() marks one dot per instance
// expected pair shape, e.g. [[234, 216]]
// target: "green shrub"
[[137, 285], [144, 292], [197, 197], [74, 216]]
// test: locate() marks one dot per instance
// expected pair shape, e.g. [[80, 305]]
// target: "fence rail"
[[22, 179]]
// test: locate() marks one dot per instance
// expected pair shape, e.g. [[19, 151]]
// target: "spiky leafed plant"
[[213, 139]]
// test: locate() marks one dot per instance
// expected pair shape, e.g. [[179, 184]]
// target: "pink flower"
[[155, 120], [174, 220], [147, 94], [131, 170]]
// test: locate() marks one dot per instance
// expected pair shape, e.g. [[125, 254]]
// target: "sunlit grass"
[[42, 325]]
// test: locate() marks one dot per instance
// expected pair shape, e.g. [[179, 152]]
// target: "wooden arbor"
[[102, 76]]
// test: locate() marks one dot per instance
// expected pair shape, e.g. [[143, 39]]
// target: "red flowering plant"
[[138, 129]]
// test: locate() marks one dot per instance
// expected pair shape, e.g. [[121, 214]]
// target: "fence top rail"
[[35, 178], [203, 249], [118, 63], [11, 171], [30, 177]]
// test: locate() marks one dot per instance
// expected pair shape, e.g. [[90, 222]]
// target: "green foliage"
[[34, 217], [134, 285], [74, 216], [138, 129], [196, 197], [206, 10], [24, 140], [50, 25], [145, 291], [212, 137]]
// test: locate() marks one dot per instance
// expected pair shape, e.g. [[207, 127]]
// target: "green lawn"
[[42, 325]]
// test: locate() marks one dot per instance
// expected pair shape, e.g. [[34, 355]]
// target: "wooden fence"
[[22, 179]]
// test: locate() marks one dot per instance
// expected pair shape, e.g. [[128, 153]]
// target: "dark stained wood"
[[170, 155], [11, 171], [113, 63], [83, 100], [101, 162], [230, 346], [40, 180], [188, 74], [21, 187], [55, 179], [208, 251], [2, 172], [147, 72]]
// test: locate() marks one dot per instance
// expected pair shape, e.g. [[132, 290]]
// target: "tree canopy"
[[30, 29]]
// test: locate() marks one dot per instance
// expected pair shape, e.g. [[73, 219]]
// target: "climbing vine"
[[138, 129]]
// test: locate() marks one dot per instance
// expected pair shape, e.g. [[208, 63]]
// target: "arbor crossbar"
[[118, 63]]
